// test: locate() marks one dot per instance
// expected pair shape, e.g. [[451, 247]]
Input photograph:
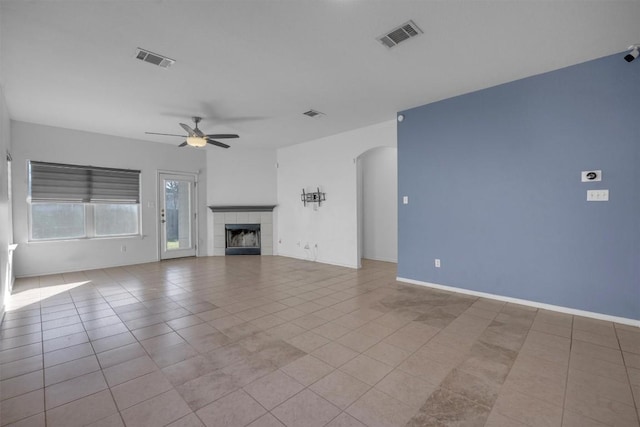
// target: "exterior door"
[[177, 216]]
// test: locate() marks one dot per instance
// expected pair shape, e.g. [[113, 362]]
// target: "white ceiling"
[[253, 67]]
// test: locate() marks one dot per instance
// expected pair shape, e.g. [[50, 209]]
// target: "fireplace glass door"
[[242, 239]]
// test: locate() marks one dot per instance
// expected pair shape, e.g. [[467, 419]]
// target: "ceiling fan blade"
[[164, 134], [219, 144], [190, 131], [199, 132], [222, 135], [183, 144]]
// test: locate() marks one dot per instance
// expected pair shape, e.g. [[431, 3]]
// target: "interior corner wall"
[[51, 144], [380, 204], [495, 192], [6, 227], [330, 164], [239, 176]]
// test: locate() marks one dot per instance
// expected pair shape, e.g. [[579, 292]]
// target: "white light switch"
[[405, 200], [597, 195]]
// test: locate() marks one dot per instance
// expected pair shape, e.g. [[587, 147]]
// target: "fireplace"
[[242, 239], [256, 220]]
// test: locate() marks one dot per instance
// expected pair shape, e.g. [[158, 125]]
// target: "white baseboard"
[[558, 308], [383, 259], [321, 261], [84, 268]]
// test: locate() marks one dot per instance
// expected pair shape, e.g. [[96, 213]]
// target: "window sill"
[[88, 239]]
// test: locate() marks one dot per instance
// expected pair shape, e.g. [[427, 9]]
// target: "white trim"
[[9, 275], [337, 264], [383, 259], [558, 308], [195, 218], [86, 268]]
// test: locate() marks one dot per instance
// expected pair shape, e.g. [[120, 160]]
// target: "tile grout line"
[[515, 359], [635, 404], [566, 383], [143, 348], [96, 356], [44, 394]]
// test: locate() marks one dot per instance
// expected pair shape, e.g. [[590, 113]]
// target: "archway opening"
[[377, 176]]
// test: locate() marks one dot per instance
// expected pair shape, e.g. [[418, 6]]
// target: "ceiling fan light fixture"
[[197, 138], [196, 141]]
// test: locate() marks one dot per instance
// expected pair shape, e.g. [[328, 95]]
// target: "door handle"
[[163, 221]]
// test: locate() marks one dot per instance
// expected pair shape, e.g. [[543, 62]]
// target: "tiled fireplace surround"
[[262, 215]]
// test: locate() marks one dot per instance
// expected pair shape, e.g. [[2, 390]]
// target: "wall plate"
[[597, 195], [591, 176]]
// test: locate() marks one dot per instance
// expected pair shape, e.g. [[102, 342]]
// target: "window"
[[75, 202], [115, 220], [57, 221]]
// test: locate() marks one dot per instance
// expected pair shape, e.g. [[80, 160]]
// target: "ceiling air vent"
[[154, 58], [313, 113], [398, 35]]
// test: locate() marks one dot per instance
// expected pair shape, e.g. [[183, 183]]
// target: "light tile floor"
[[271, 341]]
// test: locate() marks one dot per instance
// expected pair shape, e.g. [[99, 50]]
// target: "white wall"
[[44, 143], [328, 163], [239, 176], [5, 213], [380, 204]]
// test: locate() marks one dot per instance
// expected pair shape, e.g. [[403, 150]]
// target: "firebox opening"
[[242, 239]]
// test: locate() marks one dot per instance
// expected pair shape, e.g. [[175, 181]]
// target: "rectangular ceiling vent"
[[154, 58], [396, 36], [313, 113]]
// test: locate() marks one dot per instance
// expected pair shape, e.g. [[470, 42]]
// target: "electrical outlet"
[[123, 248], [597, 195], [437, 262]]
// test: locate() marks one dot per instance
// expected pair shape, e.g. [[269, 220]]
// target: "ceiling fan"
[[196, 138]]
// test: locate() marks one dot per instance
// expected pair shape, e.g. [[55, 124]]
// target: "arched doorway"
[[377, 184]]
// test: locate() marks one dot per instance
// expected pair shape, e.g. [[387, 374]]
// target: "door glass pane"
[[177, 214]]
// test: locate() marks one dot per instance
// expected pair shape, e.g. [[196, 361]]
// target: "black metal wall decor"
[[315, 197]]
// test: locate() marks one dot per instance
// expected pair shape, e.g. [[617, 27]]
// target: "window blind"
[[55, 182]]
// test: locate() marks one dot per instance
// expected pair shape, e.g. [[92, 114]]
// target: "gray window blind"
[[54, 182]]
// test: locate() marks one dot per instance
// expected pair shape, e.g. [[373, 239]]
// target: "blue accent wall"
[[493, 179]]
